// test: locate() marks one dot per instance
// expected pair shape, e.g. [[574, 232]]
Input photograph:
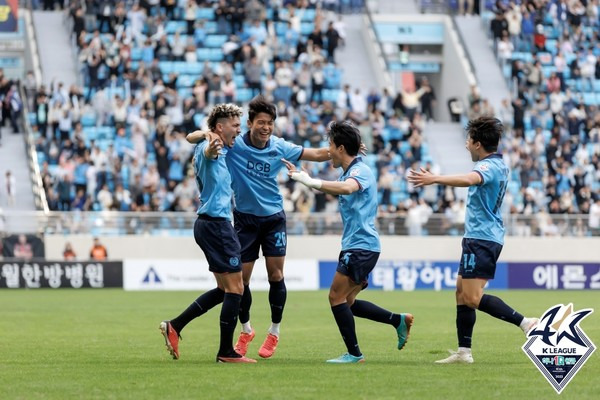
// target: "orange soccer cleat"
[[171, 338], [241, 347], [269, 345]]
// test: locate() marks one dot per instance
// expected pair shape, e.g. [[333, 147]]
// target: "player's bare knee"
[[237, 288], [471, 299], [336, 298], [275, 276]]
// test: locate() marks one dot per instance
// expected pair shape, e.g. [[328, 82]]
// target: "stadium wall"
[[401, 248], [429, 263]]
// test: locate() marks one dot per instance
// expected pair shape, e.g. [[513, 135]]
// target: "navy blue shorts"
[[255, 232], [357, 265], [217, 239], [479, 258]]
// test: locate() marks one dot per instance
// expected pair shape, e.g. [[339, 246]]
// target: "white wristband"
[[305, 179]]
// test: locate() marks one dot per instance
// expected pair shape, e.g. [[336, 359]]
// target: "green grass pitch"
[[106, 345]]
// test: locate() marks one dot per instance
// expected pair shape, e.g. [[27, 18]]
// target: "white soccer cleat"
[[457, 357], [528, 324]]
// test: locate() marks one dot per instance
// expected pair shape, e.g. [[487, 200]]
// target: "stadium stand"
[[151, 74], [550, 56]]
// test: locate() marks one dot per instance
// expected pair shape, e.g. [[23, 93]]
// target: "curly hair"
[[223, 111]]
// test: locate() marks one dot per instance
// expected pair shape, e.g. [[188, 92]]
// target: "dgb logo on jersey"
[[558, 346], [258, 166]]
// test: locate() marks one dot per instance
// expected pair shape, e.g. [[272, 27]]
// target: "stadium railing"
[[39, 194], [181, 224]]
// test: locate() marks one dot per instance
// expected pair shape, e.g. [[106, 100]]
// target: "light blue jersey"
[[214, 182], [359, 209], [254, 173], [483, 220]]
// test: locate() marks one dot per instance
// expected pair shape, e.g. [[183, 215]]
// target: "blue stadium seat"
[[330, 95], [205, 13], [32, 118], [184, 92], [210, 27], [243, 95], [175, 26], [193, 68], [306, 28], [589, 99], [136, 53], [215, 41], [88, 119], [240, 81]]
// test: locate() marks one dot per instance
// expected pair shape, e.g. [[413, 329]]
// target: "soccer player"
[[216, 237], [356, 189], [484, 233], [254, 163]]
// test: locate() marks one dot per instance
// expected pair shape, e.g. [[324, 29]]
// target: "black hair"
[[222, 111], [260, 105], [346, 134], [487, 131]]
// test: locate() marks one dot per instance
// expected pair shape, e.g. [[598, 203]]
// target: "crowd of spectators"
[[550, 54], [153, 71]]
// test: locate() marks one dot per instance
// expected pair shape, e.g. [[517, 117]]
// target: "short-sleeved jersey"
[[483, 219], [254, 174], [359, 209], [214, 182]]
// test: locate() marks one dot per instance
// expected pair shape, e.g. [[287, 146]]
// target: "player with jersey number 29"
[[260, 222]]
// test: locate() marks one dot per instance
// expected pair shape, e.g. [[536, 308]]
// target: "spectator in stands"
[[23, 249], [333, 38], [98, 251], [594, 218], [427, 99], [539, 39], [498, 26], [11, 188], [69, 253], [465, 7]]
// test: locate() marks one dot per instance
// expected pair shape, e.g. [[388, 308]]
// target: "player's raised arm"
[[424, 178], [318, 155], [199, 135], [322, 154]]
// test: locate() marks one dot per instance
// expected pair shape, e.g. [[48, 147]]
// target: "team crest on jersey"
[[272, 154], [354, 172], [483, 167], [558, 346]]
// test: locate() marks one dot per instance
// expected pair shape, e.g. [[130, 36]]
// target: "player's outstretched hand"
[[290, 167], [420, 178], [363, 149], [301, 176]]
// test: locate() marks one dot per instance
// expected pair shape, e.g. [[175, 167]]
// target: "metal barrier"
[[181, 224]]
